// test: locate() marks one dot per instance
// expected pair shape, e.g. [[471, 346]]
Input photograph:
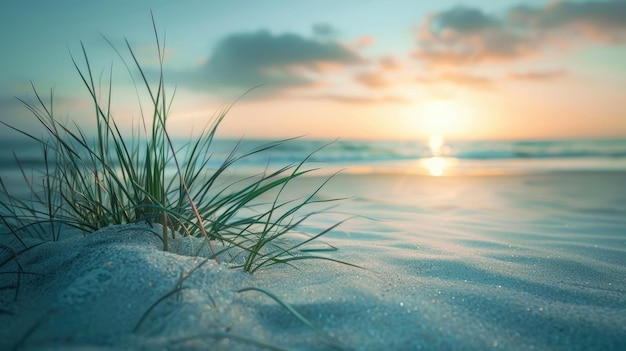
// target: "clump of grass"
[[90, 182]]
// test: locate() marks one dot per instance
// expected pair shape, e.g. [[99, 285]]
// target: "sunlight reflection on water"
[[437, 164]]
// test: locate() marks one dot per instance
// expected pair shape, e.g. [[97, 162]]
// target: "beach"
[[312, 176], [521, 261]]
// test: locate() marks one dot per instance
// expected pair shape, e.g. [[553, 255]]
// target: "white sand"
[[504, 262]]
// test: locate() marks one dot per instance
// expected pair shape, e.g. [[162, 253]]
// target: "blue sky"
[[348, 69]]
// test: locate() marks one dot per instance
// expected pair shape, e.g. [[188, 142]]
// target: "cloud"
[[324, 30], [467, 80], [361, 99], [537, 75], [463, 19], [473, 81], [387, 73], [458, 79], [465, 35], [374, 80], [279, 62], [598, 20], [389, 63], [365, 41]]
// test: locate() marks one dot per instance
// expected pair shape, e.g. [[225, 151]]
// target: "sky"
[[329, 69]]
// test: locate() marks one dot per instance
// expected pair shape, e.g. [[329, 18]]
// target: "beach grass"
[[90, 182]]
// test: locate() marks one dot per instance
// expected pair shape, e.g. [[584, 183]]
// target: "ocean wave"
[[371, 153]]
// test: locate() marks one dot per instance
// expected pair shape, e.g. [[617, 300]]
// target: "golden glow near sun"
[[436, 120], [441, 117]]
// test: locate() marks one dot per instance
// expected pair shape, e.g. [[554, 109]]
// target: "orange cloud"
[[388, 63], [364, 41], [374, 80], [459, 79], [537, 75], [361, 99]]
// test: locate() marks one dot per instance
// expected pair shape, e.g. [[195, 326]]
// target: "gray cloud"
[[464, 35], [605, 16], [324, 30], [279, 62], [464, 19]]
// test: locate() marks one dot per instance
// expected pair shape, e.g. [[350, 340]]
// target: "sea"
[[474, 245], [434, 156]]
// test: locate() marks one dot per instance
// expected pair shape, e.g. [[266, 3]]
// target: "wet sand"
[[511, 262]]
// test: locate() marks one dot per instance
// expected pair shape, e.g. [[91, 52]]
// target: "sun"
[[443, 118], [438, 116]]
